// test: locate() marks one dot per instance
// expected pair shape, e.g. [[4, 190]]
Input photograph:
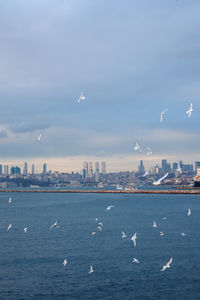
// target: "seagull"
[[159, 180], [96, 219], [189, 111], [91, 269], [161, 115], [146, 173], [167, 264], [183, 234], [135, 260], [100, 224], [100, 228], [9, 226], [149, 152], [154, 224], [179, 169], [81, 98], [109, 207], [161, 233], [9, 200], [65, 262], [189, 212], [25, 229], [134, 237], [54, 225], [39, 138], [137, 148], [123, 235], [164, 218], [94, 232]]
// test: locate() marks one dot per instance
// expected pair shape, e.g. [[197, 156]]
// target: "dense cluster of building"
[[95, 174]]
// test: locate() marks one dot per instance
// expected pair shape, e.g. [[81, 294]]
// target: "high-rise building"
[[197, 165], [6, 169], [15, 170], [97, 171], [90, 169], [44, 168], [33, 169], [85, 169], [165, 166], [141, 167], [103, 167], [175, 166], [25, 171], [1, 169]]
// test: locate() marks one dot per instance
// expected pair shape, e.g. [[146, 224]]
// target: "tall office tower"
[[165, 165], [6, 169], [175, 166], [1, 169], [44, 168], [15, 170], [85, 169], [90, 169], [103, 167], [25, 171], [97, 171], [141, 167], [33, 169], [197, 165], [181, 164]]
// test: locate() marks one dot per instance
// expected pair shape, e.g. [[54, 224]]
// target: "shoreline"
[[182, 192]]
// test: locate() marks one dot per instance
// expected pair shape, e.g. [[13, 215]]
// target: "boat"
[[197, 179], [119, 187]]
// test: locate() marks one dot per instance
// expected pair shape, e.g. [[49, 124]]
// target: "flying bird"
[[94, 232], [39, 138], [183, 234], [159, 180], [154, 224], [9, 200], [25, 229], [100, 228], [162, 114], [134, 237], [9, 226], [189, 212], [146, 173], [109, 207], [149, 152], [167, 264], [135, 260], [91, 269], [137, 148], [189, 111], [65, 262], [161, 233], [123, 235], [81, 98], [54, 225]]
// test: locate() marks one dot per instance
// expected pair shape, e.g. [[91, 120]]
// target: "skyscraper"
[[141, 167], [90, 167], [44, 168], [85, 169], [1, 169], [25, 171], [97, 171], [6, 169], [103, 167], [33, 169], [197, 165]]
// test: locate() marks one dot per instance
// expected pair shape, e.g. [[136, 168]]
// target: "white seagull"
[[149, 152], [9, 226], [161, 115], [189, 111], [39, 138], [161, 233], [65, 262], [100, 228], [159, 180], [9, 200], [25, 229], [167, 264], [81, 98], [135, 260], [123, 235], [179, 169], [109, 207], [54, 225], [94, 232], [137, 148], [146, 173], [91, 269], [154, 224], [134, 237], [189, 212], [183, 234]]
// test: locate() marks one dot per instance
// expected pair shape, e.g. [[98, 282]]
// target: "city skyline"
[[137, 59]]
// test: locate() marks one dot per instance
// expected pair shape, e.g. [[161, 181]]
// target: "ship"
[[197, 179]]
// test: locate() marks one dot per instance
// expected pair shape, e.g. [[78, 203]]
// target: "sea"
[[31, 263]]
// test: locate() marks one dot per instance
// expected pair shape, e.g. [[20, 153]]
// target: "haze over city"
[[132, 59]]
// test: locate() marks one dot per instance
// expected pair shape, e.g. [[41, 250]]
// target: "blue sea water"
[[31, 263]]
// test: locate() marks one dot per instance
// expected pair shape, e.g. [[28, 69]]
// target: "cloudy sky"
[[132, 58]]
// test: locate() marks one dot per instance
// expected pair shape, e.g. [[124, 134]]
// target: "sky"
[[133, 59]]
